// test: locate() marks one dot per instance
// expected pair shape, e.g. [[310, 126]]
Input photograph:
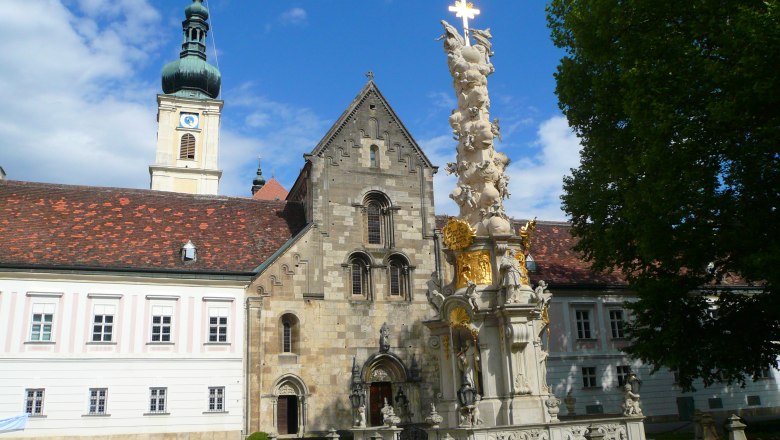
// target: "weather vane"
[[467, 12]]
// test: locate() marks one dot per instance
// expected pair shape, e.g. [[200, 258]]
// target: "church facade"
[[175, 311]]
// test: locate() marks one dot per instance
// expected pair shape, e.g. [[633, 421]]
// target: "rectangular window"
[[157, 400], [622, 374], [34, 402], [161, 323], [42, 322], [218, 324], [583, 324], [357, 279], [589, 377], [374, 219], [754, 400], [616, 323], [97, 401], [103, 323], [395, 280], [715, 403], [217, 399]]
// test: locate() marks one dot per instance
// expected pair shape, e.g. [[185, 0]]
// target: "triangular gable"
[[368, 90]]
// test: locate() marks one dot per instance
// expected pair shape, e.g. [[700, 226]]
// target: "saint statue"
[[384, 338], [512, 279], [468, 360]]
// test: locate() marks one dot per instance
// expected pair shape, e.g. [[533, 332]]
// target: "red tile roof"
[[115, 228], [272, 190], [558, 264]]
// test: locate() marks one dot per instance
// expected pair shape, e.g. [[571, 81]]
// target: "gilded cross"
[[467, 12]]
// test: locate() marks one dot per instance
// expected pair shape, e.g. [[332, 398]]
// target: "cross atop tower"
[[467, 12]]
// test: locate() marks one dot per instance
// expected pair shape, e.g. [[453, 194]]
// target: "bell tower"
[[188, 115]]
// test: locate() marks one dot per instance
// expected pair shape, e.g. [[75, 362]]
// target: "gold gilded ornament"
[[457, 234], [523, 269], [445, 342], [459, 318], [474, 266], [525, 234]]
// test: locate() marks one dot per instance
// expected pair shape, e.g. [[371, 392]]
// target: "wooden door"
[[287, 414], [377, 395]]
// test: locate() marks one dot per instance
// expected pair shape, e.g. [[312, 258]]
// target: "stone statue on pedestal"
[[512, 278], [384, 338], [631, 402]]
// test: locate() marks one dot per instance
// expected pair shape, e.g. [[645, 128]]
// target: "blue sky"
[[79, 80]]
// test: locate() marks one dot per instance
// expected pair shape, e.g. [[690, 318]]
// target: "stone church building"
[[176, 311]]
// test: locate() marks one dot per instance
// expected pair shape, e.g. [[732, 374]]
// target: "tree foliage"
[[677, 105]]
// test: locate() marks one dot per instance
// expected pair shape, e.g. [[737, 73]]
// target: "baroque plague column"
[[491, 322], [491, 326]]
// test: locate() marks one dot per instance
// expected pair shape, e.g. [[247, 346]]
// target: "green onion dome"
[[191, 75]]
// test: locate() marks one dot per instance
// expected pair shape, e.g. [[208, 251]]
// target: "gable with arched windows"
[[377, 220], [187, 147]]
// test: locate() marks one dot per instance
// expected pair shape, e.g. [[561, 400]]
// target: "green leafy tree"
[[677, 105]]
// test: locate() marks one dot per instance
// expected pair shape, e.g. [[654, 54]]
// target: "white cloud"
[[537, 181], [294, 16], [73, 111]]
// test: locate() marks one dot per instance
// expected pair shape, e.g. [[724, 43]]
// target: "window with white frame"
[[582, 318], [97, 401], [589, 377], [218, 324], [161, 323], [616, 323], [33, 401], [103, 323], [216, 399], [622, 374], [157, 400], [42, 322]]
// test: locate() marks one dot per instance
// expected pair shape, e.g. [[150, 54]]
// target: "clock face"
[[188, 120]]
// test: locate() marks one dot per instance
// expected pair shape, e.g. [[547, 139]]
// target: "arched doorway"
[[290, 406], [383, 375]]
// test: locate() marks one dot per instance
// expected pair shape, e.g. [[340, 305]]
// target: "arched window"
[[289, 333], [359, 276], [187, 147], [377, 220], [374, 153], [398, 277]]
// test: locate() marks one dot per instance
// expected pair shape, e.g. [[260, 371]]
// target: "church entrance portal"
[[378, 393], [287, 415]]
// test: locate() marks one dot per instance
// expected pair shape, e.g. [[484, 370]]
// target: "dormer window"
[[189, 252]]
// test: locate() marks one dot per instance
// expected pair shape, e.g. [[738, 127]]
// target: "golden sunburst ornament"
[[457, 234]]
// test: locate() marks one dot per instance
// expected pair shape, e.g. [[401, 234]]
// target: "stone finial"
[[594, 433], [735, 429], [570, 402], [553, 409], [332, 434], [434, 419]]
